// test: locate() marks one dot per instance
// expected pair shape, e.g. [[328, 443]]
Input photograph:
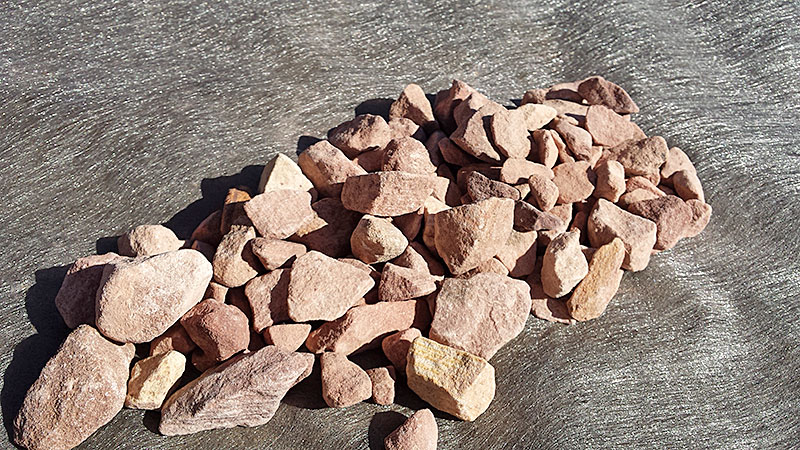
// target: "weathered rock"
[[402, 283], [234, 262], [327, 168], [509, 133], [245, 391], [450, 380], [545, 307], [404, 127], [364, 327], [395, 347], [410, 224], [363, 133], [575, 181], [578, 140], [322, 288], [608, 128], [344, 383], [387, 193], [454, 155], [563, 265], [276, 253], [288, 336], [534, 96], [376, 240], [670, 214], [146, 240], [599, 91], [233, 210], [416, 256], [329, 232], [414, 105], [468, 235], [448, 100], [676, 161], [407, 155], [175, 338], [139, 299], [81, 388], [268, 296], [487, 170], [518, 254], [536, 116], [282, 173], [470, 106], [480, 314], [528, 218], [472, 136], [382, 379], [430, 208], [565, 91], [418, 432], [152, 378], [608, 221], [639, 182], [643, 157], [544, 193], [209, 229], [220, 330], [546, 151], [610, 180], [592, 295], [479, 187], [203, 362], [564, 214], [279, 214], [516, 170], [701, 215], [75, 300], [687, 185]]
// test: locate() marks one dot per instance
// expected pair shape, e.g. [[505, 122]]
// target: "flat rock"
[[75, 300], [480, 314], [575, 181], [413, 104], [327, 168], [152, 378], [418, 432], [610, 180], [430, 208], [592, 295], [517, 170], [568, 110], [407, 154], [608, 221], [565, 91], [518, 254], [670, 214], [410, 224], [139, 299], [676, 161], [643, 157], [543, 192], [599, 91], [387, 193], [146, 240], [175, 338], [276, 253], [403, 283], [377, 240], [479, 187], [637, 195], [234, 262], [640, 182], [219, 329], [578, 140], [279, 214], [322, 288], [282, 173], [363, 133], [329, 231], [450, 380], [382, 379], [608, 128], [472, 135], [536, 116], [396, 345], [468, 235], [687, 185], [288, 336], [563, 264], [529, 218], [344, 383], [268, 296], [447, 101], [81, 388], [364, 327], [245, 391], [546, 151], [701, 215], [509, 133]]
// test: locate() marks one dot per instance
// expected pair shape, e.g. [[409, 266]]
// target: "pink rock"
[[534, 96], [288, 336], [416, 256], [206, 249], [364, 133], [452, 154], [470, 106], [402, 283], [472, 136], [407, 155], [382, 379], [639, 182], [432, 145], [568, 109], [575, 181], [410, 224], [528, 218], [487, 170], [643, 157], [599, 91], [637, 195], [545, 307], [327, 167], [480, 314], [276, 253], [676, 161], [608, 221], [146, 240], [344, 383], [610, 180], [396, 345], [234, 262], [414, 105], [578, 140], [565, 91], [516, 171], [220, 330], [479, 187], [546, 150], [701, 215], [509, 133], [492, 265], [563, 265], [268, 297], [75, 300], [279, 214], [592, 295], [322, 288], [419, 432], [364, 327], [376, 240], [329, 232], [518, 254], [688, 186], [175, 338], [447, 101], [429, 211], [608, 128], [544, 193], [536, 116], [371, 161], [387, 193], [403, 127], [564, 214], [671, 215]]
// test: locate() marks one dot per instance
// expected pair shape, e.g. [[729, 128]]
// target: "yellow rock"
[[592, 295], [152, 379], [451, 380], [283, 173]]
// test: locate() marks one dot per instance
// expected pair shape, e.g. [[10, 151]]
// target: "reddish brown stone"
[[396, 345], [416, 256], [344, 383], [414, 105], [610, 180], [575, 181], [327, 167], [175, 338], [470, 106], [361, 134], [578, 140], [565, 91], [509, 133], [402, 283], [267, 296], [479, 187], [206, 249], [429, 211], [275, 253], [410, 224], [487, 170], [288, 336], [701, 215], [592, 295], [472, 136], [546, 151], [518, 254], [376, 240], [608, 221], [382, 379], [671, 215], [403, 127], [432, 145], [516, 170], [638, 182], [545, 307], [452, 154], [407, 155], [234, 262], [447, 101], [608, 128], [534, 96], [676, 161], [637, 195], [418, 432], [220, 330], [528, 218], [536, 116], [387, 193], [544, 193], [233, 209], [568, 109], [599, 91], [329, 232], [75, 300], [279, 214], [492, 265], [371, 161]]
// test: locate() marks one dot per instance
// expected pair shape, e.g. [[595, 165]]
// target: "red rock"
[[446, 190], [418, 432], [146, 240], [563, 265], [429, 211], [276, 253], [402, 283], [528, 218], [233, 210], [344, 383], [610, 180], [452, 154], [592, 295], [376, 240], [81, 388], [546, 151], [509, 133], [480, 314], [578, 140], [371, 161], [518, 254], [396, 345], [245, 391], [387, 193], [75, 300], [565, 91], [544, 193], [468, 235], [676, 161], [234, 262], [563, 213], [206, 249], [608, 128], [175, 338], [608, 221], [534, 96], [382, 379], [220, 330], [327, 167], [416, 256], [410, 224], [671, 215], [329, 232], [575, 181], [688, 186], [202, 362], [414, 105], [487, 170], [361, 134], [322, 288], [536, 116], [447, 101], [516, 170], [472, 136], [643, 157], [209, 229], [364, 327], [403, 127], [267, 296], [479, 187], [432, 145], [599, 91], [701, 215], [279, 214], [407, 155], [288, 336]]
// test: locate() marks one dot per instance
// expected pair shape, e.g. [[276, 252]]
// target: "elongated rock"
[[451, 380], [608, 221], [245, 391], [387, 193], [283, 173], [279, 214], [479, 187], [608, 128], [152, 378], [563, 264], [80, 389], [578, 140], [140, 298], [344, 383], [592, 295], [418, 432], [546, 149], [327, 168], [382, 379], [75, 300], [146, 240], [234, 262], [395, 347]]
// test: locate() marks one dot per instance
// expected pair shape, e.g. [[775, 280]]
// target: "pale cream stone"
[[152, 379], [283, 173]]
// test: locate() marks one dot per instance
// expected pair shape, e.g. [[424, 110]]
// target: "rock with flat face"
[[544, 193], [364, 327], [80, 389], [592, 295], [468, 235], [447, 101], [416, 256], [402, 283], [279, 214], [377, 240], [676, 161], [288, 336], [509, 133], [480, 314], [450, 380], [175, 338], [608, 221], [327, 168], [276, 253], [671, 215], [518, 254], [371, 161], [268, 296], [536, 116], [599, 91], [546, 150], [529, 218], [382, 379], [687, 185], [396, 345], [152, 378], [578, 140], [282, 173], [322, 288], [701, 215], [234, 262], [534, 96], [413, 104], [575, 181], [139, 299], [219, 329], [146, 240], [344, 383], [407, 154], [479, 187], [418, 432], [608, 128], [75, 300], [610, 180], [643, 157], [403, 127], [472, 135], [361, 134], [489, 266], [516, 170], [329, 231], [563, 264], [245, 391], [387, 193]]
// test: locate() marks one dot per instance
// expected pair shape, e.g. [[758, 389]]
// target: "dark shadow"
[[370, 359], [308, 393], [516, 101], [151, 419], [382, 425], [376, 106], [303, 142], [106, 245]]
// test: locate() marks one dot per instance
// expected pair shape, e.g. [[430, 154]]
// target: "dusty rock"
[[395, 347], [361, 134], [327, 167], [418, 432], [643, 157], [245, 391], [220, 330], [450, 380], [479, 187], [610, 180], [430, 208], [139, 299], [546, 151], [387, 193], [536, 116], [152, 378], [635, 196], [492, 265], [608, 128], [402, 283], [322, 288], [407, 155], [592, 295], [288, 336], [282, 173], [509, 133], [234, 262], [544, 193], [578, 140], [670, 214], [81, 388], [545, 307], [608, 221], [575, 181], [75, 300], [470, 106], [568, 109], [414, 105], [403, 127], [472, 136], [175, 338], [676, 161], [563, 265], [534, 96], [416, 256], [329, 231], [344, 383], [279, 214], [364, 327], [410, 224], [448, 100], [688, 186], [701, 215], [516, 170], [376, 240], [146, 240], [382, 379], [528, 218], [233, 210], [599, 91], [518, 254], [276, 253], [468, 235], [268, 296]]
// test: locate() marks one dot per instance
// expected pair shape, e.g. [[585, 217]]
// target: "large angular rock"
[[279, 214], [546, 149], [245, 391], [544, 193], [276, 253], [671, 215], [219, 329], [344, 383], [468, 235], [575, 181], [282, 173], [518, 254], [268, 296], [234, 262], [75, 300], [146, 240], [407, 155], [701, 215], [418, 432], [529, 218], [472, 135], [80, 389], [396, 345], [387, 193], [610, 180], [509, 133], [377, 240], [329, 231], [450, 380], [402, 283], [480, 314], [140, 298], [327, 167], [413, 104], [608, 128], [643, 157], [608, 221], [479, 187], [536, 116], [363, 133], [322, 288], [152, 378], [599, 91], [563, 264], [592, 295]]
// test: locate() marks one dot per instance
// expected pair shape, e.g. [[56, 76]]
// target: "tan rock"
[[546, 151], [382, 379], [395, 346], [575, 181], [643, 157], [472, 137], [529, 218], [418, 432], [688, 186], [608, 128], [610, 180], [592, 295], [414, 105], [479, 187], [267, 296], [344, 383], [175, 338], [578, 140], [75, 299], [407, 155], [516, 170], [599, 91], [563, 265], [276, 253], [363, 133], [153, 378], [376, 240], [671, 215], [288, 336], [518, 254], [234, 262], [536, 116], [450, 380], [146, 240], [402, 283], [509, 133], [608, 221], [387, 193], [327, 167], [544, 193], [676, 161], [701, 215], [282, 173], [233, 210], [219, 329], [279, 214], [329, 231]]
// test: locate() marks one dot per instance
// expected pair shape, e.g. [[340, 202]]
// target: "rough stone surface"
[[536, 116], [468, 235], [592, 295], [395, 347], [288, 336], [327, 168], [268, 296], [608, 221], [479, 187], [329, 231], [410, 224], [430, 208], [146, 240], [371, 161], [509, 133], [643, 157], [671, 215], [418, 257], [573, 111], [639, 182], [544, 193], [377, 240], [528, 218], [407, 155], [608, 128], [676, 161], [404, 127], [448, 100], [140, 298], [545, 307], [363, 133], [687, 185], [599, 91], [245, 391], [234, 262], [450, 380], [575, 181], [637, 195], [344, 383], [610, 180], [472, 136], [152, 378], [480, 314], [402, 283], [418, 432], [563, 265], [454, 155], [279, 214], [382, 379], [175, 338], [387, 193], [282, 173], [578, 140], [516, 170], [322, 288], [219, 329], [276, 253], [546, 149], [470, 106], [492, 265], [75, 300], [413, 104], [518, 254], [233, 210], [81, 388], [701, 215]]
